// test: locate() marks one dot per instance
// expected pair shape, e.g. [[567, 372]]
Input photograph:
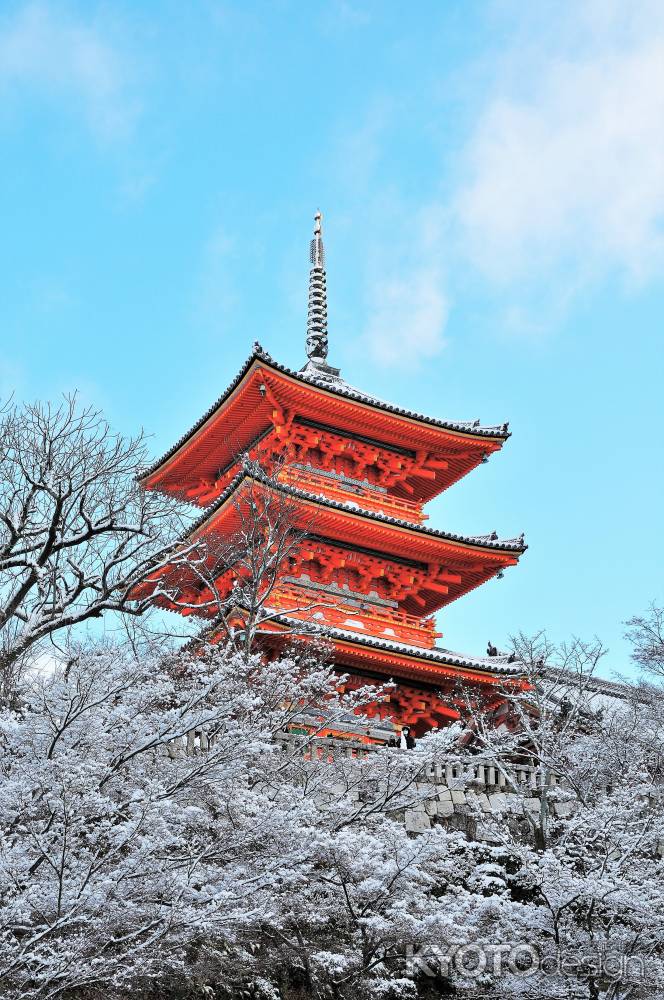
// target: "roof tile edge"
[[337, 387]]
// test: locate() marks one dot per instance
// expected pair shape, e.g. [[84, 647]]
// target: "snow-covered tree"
[[155, 831], [646, 633], [583, 849], [161, 834], [76, 530]]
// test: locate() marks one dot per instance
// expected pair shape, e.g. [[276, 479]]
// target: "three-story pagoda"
[[357, 473]]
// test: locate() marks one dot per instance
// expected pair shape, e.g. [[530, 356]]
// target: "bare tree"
[[646, 633], [77, 533], [232, 578]]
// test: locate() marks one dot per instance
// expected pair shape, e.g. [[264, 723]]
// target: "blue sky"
[[492, 183]]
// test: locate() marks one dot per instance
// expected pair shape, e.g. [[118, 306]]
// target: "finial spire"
[[317, 366], [317, 249], [317, 314]]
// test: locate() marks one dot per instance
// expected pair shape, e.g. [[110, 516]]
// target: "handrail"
[[479, 773], [450, 772], [419, 631], [386, 502]]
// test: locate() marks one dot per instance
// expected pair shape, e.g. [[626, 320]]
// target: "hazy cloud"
[[565, 169], [407, 305], [49, 52], [407, 316]]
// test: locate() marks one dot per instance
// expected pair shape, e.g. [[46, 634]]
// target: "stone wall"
[[457, 794]]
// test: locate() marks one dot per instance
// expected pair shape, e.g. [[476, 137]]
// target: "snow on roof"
[[488, 664], [569, 679], [338, 386], [341, 387], [485, 541]]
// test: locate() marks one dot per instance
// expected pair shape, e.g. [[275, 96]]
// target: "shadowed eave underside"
[[489, 541], [330, 388]]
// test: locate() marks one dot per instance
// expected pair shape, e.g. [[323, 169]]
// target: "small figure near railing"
[[405, 740]]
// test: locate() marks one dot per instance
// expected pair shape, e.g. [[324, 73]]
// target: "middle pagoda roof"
[[471, 559]]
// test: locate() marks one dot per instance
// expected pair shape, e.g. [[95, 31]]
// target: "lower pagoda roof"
[[428, 664]]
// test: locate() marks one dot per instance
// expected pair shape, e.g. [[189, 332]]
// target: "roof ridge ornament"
[[317, 366]]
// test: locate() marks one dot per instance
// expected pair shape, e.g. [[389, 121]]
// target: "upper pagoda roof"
[[246, 410], [339, 386]]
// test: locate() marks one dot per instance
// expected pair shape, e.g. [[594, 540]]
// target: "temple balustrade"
[[460, 794], [337, 609], [451, 772], [337, 487]]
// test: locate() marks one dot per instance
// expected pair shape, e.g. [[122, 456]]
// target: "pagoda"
[[368, 574]]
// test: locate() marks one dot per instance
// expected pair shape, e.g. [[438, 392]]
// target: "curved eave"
[[476, 559], [351, 404], [427, 665], [483, 543]]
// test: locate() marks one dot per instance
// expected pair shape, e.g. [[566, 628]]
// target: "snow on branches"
[[77, 533], [122, 864], [253, 866]]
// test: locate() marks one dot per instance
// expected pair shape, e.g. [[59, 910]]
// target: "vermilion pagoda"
[[358, 472]]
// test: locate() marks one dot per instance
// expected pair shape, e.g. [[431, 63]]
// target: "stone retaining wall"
[[453, 792], [456, 793]]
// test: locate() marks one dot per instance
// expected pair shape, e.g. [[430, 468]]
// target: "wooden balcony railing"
[[338, 489], [391, 625]]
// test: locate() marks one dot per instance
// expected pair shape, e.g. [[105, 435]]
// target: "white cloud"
[[47, 52], [407, 305], [564, 171], [407, 316]]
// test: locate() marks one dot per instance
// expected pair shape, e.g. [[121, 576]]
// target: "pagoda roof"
[[185, 460], [488, 541], [343, 388], [469, 560], [429, 661]]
